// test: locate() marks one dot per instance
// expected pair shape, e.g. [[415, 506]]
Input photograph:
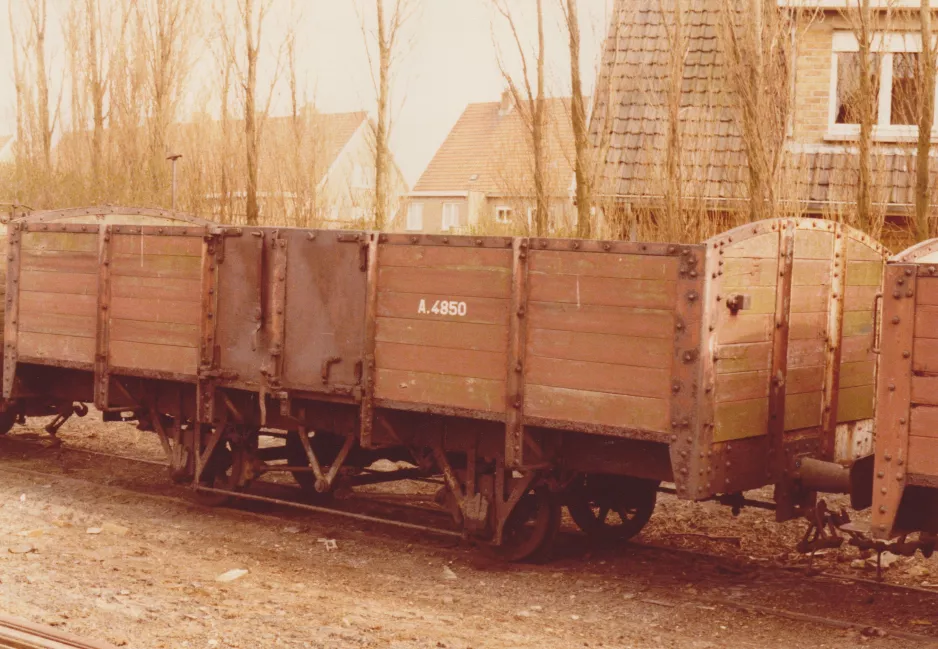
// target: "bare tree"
[[926, 119], [385, 52], [19, 84], [531, 106], [584, 201], [167, 35], [45, 126]]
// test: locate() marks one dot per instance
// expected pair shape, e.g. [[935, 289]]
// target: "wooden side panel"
[[811, 282], [155, 303], [743, 350], [58, 296], [441, 330], [600, 337], [864, 275], [923, 428]]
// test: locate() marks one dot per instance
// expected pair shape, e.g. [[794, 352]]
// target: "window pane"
[[905, 88], [848, 88]]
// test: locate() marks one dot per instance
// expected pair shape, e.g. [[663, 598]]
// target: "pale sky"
[[451, 62]]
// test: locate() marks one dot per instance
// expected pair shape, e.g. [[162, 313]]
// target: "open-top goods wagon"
[[527, 372]]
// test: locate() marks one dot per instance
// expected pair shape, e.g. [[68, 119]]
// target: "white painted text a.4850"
[[443, 307]]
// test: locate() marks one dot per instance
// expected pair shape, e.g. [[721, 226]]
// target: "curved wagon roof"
[[922, 252], [749, 230]]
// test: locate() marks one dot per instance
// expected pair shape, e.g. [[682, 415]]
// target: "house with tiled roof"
[[819, 164], [482, 176]]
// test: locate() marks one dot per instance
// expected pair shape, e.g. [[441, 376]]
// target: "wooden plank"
[[58, 303], [742, 272], [63, 241], [926, 289], [600, 264], [49, 282], [56, 347], [761, 300], [163, 266], [448, 335], [804, 379], [856, 374], [57, 261], [864, 273], [803, 410], [600, 348], [136, 244], [926, 321], [598, 377], [806, 353], [433, 360], [925, 390], [811, 272], [596, 408], [623, 321], [923, 455], [456, 284], [51, 323], [743, 358], [177, 311], [925, 355], [813, 244], [860, 251], [924, 423], [443, 257], [435, 389], [742, 386], [160, 358], [740, 419], [603, 291], [856, 348], [810, 299], [859, 298], [155, 288], [762, 245], [160, 333], [858, 323], [745, 328], [855, 404], [478, 310], [806, 326]]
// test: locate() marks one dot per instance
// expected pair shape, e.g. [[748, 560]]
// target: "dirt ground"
[[111, 550]]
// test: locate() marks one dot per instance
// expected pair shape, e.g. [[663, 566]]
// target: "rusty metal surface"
[[367, 415], [775, 463], [101, 373], [514, 383], [893, 395], [22, 634], [11, 311], [834, 342]]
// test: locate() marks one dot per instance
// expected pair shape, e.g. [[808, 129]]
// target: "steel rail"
[[22, 634]]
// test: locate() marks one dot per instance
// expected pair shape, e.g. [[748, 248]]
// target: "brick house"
[[818, 170], [482, 176]]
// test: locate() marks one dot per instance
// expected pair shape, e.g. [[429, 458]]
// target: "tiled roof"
[[489, 150], [324, 134], [631, 118], [632, 103]]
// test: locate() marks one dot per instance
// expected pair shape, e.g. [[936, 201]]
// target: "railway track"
[[390, 502], [21, 634]]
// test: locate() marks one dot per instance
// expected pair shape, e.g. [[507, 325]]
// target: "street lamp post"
[[174, 157]]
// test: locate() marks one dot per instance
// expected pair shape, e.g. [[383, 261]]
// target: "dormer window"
[[895, 81]]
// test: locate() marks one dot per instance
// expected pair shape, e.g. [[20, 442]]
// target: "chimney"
[[507, 103]]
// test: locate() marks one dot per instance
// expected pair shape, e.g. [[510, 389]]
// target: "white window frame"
[[503, 214], [415, 216], [450, 220], [886, 45]]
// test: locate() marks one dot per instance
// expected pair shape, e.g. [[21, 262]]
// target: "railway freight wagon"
[[527, 373], [905, 493]]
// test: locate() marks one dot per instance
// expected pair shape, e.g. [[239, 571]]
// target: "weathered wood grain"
[[452, 391], [451, 335], [433, 360], [147, 356], [600, 348], [599, 377], [596, 408]]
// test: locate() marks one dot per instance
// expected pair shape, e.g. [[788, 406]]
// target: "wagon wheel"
[[612, 509], [530, 528], [296, 456], [223, 471]]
